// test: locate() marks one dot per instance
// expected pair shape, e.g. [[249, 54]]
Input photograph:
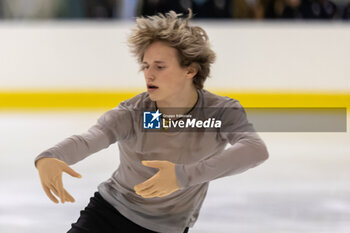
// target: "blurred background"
[[64, 63], [212, 9]]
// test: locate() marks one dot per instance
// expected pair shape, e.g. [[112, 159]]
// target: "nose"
[[149, 75]]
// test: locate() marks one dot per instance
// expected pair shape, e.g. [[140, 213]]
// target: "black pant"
[[101, 217]]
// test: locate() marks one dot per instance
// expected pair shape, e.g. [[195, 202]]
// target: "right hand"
[[50, 172]]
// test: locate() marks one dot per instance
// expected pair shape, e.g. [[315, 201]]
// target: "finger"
[[49, 194], [163, 194], [60, 189], [70, 171], [153, 163], [143, 186], [146, 184], [153, 194], [68, 196], [147, 191], [54, 190]]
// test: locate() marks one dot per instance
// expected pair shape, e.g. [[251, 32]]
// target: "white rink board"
[[250, 56]]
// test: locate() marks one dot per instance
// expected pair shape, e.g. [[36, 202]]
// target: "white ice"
[[302, 188]]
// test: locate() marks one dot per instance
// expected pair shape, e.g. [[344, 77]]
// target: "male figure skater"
[[163, 176]]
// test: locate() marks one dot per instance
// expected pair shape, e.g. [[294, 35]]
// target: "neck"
[[181, 105]]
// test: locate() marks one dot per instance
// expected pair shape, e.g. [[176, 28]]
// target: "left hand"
[[162, 183]]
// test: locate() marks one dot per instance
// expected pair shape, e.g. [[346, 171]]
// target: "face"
[[166, 80]]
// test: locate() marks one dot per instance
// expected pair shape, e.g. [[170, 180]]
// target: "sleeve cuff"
[[181, 177], [43, 155]]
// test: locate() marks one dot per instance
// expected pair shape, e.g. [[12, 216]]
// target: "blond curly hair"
[[191, 42]]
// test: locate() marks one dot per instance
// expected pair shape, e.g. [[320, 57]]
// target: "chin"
[[152, 97]]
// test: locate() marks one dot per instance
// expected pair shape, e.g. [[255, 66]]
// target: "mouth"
[[151, 87]]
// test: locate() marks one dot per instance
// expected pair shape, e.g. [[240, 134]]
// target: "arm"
[[247, 150], [111, 126]]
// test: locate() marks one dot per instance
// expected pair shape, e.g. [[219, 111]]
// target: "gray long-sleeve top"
[[199, 156]]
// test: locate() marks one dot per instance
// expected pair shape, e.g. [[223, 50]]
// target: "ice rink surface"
[[303, 187]]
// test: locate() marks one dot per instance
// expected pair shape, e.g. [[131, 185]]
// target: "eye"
[[160, 67], [144, 67]]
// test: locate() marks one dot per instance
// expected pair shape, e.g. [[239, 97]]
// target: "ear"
[[192, 70]]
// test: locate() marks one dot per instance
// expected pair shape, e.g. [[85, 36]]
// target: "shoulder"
[[126, 109], [137, 102], [214, 100], [228, 109]]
